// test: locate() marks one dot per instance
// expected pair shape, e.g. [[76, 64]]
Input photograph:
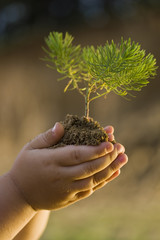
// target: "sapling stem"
[[87, 103]]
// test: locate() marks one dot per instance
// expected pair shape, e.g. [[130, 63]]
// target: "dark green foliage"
[[95, 72]]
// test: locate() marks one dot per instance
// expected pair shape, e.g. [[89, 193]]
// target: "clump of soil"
[[81, 131]]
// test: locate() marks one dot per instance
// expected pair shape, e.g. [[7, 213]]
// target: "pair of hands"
[[55, 178]]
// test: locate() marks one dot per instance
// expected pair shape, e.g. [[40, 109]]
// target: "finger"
[[85, 184], [104, 175], [114, 175], [90, 168], [110, 137], [119, 162], [99, 186], [75, 155], [120, 147], [85, 194], [80, 195], [48, 138], [92, 181], [109, 129]]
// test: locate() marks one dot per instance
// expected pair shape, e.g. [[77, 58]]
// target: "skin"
[[43, 179]]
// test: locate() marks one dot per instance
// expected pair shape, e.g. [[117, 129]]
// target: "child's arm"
[[15, 212], [34, 229], [43, 178]]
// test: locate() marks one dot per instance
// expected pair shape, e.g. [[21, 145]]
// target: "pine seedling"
[[95, 72]]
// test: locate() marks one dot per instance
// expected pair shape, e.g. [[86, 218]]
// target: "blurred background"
[[31, 101]]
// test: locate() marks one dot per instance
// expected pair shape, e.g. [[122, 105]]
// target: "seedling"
[[95, 72]]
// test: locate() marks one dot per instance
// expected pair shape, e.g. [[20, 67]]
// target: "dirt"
[[81, 131]]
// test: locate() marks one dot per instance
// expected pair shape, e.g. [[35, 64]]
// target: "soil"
[[81, 131]]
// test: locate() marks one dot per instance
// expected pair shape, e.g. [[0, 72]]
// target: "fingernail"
[[54, 128]]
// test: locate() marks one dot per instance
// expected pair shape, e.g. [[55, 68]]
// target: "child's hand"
[[54, 178]]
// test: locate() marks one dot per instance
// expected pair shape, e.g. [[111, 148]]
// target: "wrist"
[[10, 178]]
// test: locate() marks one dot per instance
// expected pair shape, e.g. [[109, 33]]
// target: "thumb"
[[48, 138]]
